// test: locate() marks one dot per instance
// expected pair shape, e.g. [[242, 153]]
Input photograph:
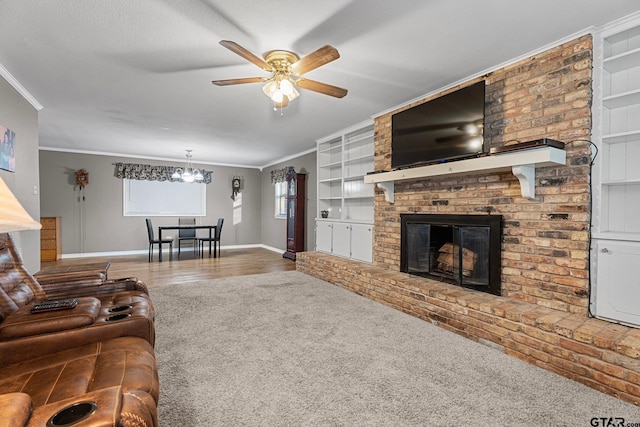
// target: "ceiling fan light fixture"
[[286, 87], [270, 88], [287, 69], [294, 94], [277, 96]]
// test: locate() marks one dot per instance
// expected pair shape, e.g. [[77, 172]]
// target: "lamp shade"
[[13, 217]]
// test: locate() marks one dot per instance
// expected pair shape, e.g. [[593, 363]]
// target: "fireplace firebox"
[[460, 249]]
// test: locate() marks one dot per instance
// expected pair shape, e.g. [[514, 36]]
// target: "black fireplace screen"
[[460, 249]]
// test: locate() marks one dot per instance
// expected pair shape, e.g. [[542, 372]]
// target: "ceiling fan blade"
[[322, 88], [249, 56], [322, 56], [228, 82]]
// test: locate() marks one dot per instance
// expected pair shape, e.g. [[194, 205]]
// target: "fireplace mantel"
[[523, 165]]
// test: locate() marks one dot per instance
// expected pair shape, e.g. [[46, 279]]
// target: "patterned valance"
[[280, 175], [152, 173]]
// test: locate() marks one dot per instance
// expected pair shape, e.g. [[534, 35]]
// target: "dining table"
[[211, 228]]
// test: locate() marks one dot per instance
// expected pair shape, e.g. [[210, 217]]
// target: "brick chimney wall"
[[545, 251]]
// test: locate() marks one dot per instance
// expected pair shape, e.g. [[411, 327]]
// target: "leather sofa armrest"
[[88, 287], [23, 323], [51, 279], [15, 409], [112, 408]]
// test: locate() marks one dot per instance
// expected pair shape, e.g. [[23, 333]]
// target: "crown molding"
[[135, 156], [17, 86], [284, 159]]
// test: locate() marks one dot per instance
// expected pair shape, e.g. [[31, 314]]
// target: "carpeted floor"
[[286, 349]]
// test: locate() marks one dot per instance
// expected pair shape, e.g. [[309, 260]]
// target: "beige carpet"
[[286, 349]]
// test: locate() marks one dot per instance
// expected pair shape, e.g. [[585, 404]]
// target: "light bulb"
[[294, 94], [187, 176], [277, 96], [270, 88], [286, 87]]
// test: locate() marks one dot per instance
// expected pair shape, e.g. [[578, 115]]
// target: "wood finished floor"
[[232, 262]]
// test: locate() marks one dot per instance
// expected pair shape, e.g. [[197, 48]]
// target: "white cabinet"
[[618, 292], [616, 176], [341, 239], [344, 224], [362, 242], [324, 236], [345, 239]]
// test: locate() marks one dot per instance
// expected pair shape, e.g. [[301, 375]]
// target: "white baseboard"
[[144, 251]]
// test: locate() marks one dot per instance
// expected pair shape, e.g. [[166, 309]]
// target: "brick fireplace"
[[542, 314], [460, 249]]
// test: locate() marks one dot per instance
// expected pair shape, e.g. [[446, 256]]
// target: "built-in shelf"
[[622, 100], [523, 165], [623, 61], [616, 138], [620, 182]]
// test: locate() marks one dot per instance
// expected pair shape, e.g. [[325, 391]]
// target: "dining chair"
[[215, 239], [154, 241], [187, 234]]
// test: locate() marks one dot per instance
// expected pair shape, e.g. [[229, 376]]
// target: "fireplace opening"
[[459, 249]]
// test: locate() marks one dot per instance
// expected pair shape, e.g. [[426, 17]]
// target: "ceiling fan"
[[287, 69]]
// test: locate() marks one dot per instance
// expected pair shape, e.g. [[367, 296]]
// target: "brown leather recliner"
[[115, 380], [106, 310]]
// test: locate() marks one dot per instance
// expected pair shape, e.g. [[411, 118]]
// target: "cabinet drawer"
[[49, 244], [48, 223], [48, 254], [48, 234]]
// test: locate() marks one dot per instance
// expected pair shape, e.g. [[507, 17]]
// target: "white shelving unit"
[[616, 177], [344, 159], [343, 162]]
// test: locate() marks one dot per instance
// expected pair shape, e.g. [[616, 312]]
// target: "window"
[[281, 199], [163, 198]]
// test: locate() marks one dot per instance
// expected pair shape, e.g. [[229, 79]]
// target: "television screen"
[[445, 128]]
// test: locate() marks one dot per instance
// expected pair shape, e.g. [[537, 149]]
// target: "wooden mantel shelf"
[[523, 165]]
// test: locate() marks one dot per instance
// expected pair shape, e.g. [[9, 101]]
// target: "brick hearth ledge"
[[602, 355]]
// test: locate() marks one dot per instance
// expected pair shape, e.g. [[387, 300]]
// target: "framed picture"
[[7, 154]]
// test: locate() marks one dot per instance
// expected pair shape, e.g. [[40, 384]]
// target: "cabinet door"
[[323, 236], [617, 288], [362, 242], [342, 239]]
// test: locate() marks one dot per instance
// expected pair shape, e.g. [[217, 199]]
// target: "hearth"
[[460, 249]]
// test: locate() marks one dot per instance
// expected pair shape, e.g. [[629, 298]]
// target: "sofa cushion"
[[15, 409], [23, 323]]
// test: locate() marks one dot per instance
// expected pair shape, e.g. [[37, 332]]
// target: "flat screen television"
[[446, 128]]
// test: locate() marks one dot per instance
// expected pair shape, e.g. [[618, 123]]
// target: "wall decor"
[[236, 187], [7, 155], [82, 178]]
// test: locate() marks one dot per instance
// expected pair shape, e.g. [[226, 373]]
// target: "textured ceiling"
[[134, 77]]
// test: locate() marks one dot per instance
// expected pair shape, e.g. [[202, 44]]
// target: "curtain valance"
[[280, 175], [152, 172]]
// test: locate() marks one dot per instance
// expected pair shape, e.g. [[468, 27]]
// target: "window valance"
[[280, 175], [152, 172]]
